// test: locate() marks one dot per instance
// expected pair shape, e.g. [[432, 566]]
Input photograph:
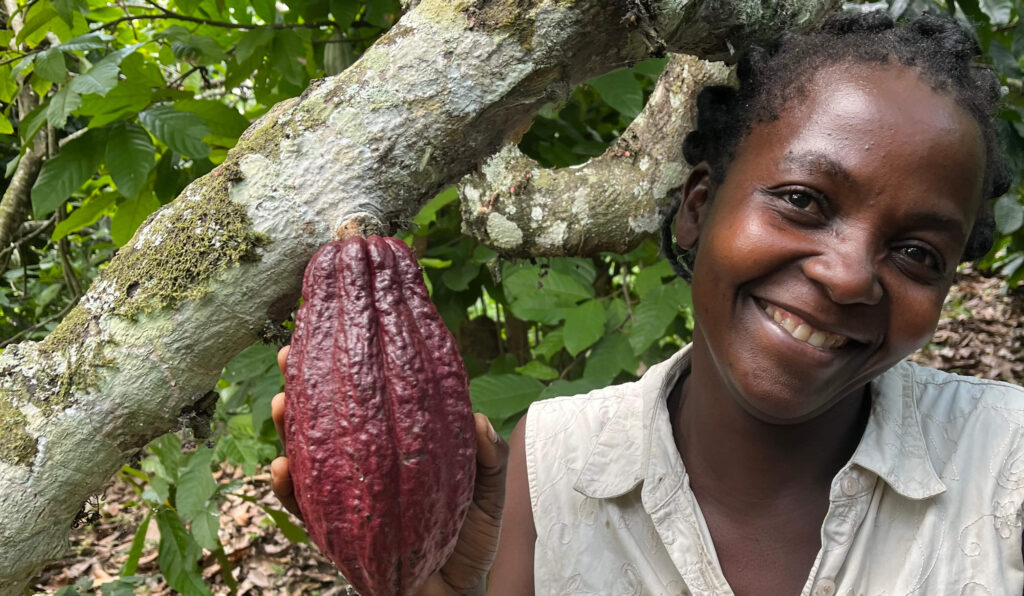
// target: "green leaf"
[[130, 157], [222, 120], [30, 125], [65, 172], [205, 524], [538, 293], [50, 65], [283, 521], [652, 67], [253, 42], [428, 213], [5, 126], [91, 209], [266, 10], [251, 362], [124, 100], [584, 325], [1004, 60], [129, 216], [610, 356], [459, 277], [167, 449], [652, 315], [537, 370], [102, 77], [39, 16], [178, 556], [63, 102], [577, 387], [195, 484], [66, 9], [90, 41], [651, 277], [621, 90], [287, 50], [344, 11], [179, 130], [502, 396], [998, 11], [1009, 214], [549, 346], [131, 564]]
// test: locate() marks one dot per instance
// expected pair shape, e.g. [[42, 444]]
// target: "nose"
[[846, 271]]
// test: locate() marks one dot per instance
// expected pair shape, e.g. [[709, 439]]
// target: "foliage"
[[140, 98]]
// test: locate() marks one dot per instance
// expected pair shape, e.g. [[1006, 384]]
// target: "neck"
[[745, 463]]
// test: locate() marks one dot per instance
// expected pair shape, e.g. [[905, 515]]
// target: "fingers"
[[277, 413], [281, 483], [282, 359], [478, 538]]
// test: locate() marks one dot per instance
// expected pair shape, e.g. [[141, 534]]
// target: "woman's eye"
[[922, 255], [802, 201]]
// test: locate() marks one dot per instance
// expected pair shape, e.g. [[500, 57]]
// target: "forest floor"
[[981, 333]]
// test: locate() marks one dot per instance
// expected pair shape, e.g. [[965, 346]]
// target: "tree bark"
[[442, 90]]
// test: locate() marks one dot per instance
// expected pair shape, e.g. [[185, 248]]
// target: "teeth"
[[804, 332]]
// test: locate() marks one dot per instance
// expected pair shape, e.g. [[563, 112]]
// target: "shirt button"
[[825, 587], [850, 486]]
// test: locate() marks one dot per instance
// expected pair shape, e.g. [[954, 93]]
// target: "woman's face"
[[825, 254]]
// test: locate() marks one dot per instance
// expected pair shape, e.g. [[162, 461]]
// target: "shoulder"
[[950, 395]]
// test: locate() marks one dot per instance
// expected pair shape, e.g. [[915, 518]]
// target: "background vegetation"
[[136, 98]]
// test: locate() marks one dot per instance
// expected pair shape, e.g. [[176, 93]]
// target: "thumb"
[[467, 568]]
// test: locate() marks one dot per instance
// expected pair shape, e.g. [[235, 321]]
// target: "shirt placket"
[[849, 501]]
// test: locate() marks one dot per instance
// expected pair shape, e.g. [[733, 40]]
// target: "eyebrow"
[[815, 162]]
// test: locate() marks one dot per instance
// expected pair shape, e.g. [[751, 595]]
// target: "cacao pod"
[[378, 422]]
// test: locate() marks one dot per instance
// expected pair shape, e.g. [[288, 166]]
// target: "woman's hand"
[[466, 570]]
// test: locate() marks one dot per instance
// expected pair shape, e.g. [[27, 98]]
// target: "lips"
[[803, 331]]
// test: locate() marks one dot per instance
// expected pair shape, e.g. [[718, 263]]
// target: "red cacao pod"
[[379, 427]]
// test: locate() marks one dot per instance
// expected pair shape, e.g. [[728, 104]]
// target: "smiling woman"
[[788, 449]]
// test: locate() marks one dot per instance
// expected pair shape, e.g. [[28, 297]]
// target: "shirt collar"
[[625, 447], [893, 445]]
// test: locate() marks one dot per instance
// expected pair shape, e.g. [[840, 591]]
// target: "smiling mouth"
[[802, 331]]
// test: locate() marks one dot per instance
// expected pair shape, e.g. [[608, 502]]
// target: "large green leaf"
[[502, 396], [123, 101], [63, 102], [253, 42], [178, 556], [50, 65], [131, 564], [93, 40], [130, 157], [62, 174], [577, 387], [1009, 213], [130, 215], [40, 14], [102, 77], [5, 126], [93, 208], [621, 90], [610, 356], [179, 130], [222, 120], [195, 484], [652, 315], [584, 325], [998, 12], [288, 49]]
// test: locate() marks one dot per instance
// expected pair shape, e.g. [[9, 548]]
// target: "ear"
[[693, 206]]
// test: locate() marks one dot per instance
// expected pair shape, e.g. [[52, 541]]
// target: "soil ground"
[[981, 333]]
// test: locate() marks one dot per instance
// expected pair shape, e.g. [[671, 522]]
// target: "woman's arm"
[[512, 572]]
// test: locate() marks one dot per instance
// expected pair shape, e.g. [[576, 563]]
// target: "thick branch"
[[206, 273], [609, 203]]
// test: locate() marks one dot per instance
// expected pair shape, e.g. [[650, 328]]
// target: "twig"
[[166, 14], [64, 311], [63, 248]]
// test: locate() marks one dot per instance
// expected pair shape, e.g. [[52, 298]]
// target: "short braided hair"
[[939, 49]]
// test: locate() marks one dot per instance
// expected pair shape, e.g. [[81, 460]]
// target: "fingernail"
[[493, 436]]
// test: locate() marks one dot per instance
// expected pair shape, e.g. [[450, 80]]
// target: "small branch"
[[6, 252], [166, 14], [63, 250], [63, 312]]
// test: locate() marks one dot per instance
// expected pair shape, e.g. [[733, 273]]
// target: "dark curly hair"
[[940, 50]]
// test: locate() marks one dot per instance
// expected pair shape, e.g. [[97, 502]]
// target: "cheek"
[[913, 319]]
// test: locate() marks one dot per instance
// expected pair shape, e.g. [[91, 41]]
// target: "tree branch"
[[609, 203]]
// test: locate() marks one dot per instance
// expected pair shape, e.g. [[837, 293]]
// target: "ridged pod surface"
[[378, 422]]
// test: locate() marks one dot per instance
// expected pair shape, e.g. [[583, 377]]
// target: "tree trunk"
[[442, 90]]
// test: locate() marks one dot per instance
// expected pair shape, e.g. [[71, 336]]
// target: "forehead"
[[884, 126]]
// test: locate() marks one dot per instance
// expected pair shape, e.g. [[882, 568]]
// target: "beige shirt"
[[929, 504]]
